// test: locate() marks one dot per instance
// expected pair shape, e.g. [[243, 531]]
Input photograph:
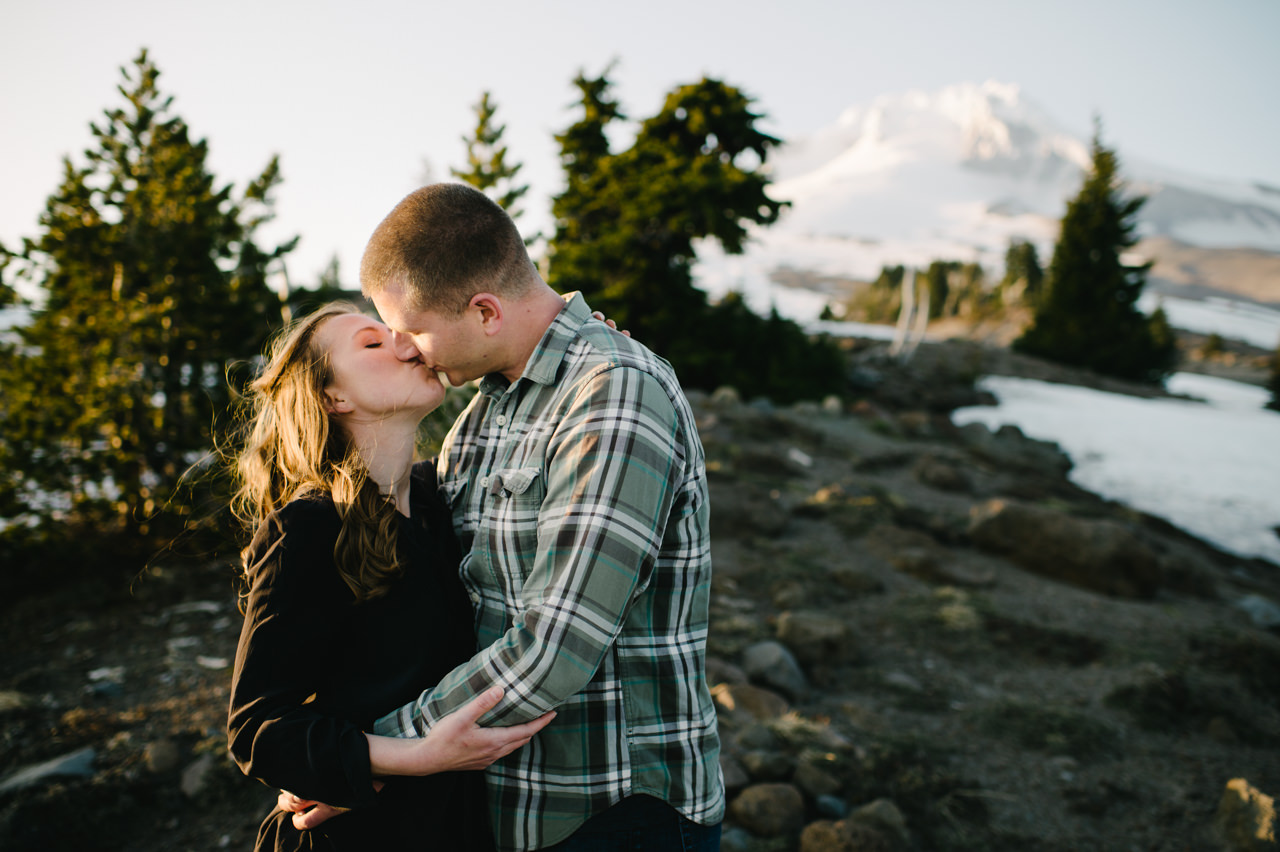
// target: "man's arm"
[[613, 466]]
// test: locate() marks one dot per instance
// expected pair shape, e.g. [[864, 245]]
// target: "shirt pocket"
[[521, 483]]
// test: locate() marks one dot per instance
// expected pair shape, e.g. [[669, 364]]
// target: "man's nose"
[[404, 347]]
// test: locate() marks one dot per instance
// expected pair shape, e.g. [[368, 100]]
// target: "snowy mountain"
[[954, 175]]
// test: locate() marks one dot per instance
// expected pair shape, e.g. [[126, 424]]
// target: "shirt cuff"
[[405, 723]]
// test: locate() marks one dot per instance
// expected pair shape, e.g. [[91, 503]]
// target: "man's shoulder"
[[601, 347]]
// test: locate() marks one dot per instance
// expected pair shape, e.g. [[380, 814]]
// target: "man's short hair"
[[444, 243]]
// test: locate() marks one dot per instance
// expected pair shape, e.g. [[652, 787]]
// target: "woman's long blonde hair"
[[292, 449]]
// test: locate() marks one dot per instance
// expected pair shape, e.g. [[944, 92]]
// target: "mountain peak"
[[956, 174]]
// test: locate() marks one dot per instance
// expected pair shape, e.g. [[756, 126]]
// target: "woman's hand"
[[613, 325], [456, 742]]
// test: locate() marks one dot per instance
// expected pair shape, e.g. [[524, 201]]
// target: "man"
[[578, 488]]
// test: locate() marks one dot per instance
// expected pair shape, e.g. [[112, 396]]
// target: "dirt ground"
[[136, 665]]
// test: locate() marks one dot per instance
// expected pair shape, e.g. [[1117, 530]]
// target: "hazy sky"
[[354, 97]]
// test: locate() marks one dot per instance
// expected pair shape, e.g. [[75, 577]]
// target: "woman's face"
[[371, 381]]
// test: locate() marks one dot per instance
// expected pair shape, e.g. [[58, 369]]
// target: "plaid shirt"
[[580, 496]]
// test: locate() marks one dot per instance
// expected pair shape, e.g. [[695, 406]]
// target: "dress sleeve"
[[293, 616]]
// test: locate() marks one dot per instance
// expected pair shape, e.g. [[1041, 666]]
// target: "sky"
[[361, 101]]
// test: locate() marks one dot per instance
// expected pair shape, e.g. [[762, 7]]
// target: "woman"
[[354, 603]]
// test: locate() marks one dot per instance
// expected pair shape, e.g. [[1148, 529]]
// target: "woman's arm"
[[457, 742], [294, 617]]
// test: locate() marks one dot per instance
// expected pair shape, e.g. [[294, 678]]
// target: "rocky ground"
[[923, 638]]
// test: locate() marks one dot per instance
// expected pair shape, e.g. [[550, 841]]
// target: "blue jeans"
[[641, 824]]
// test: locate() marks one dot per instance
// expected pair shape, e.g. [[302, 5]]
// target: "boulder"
[[1247, 818], [772, 665], [13, 700], [76, 764], [195, 778], [1008, 447], [884, 816], [814, 779], [735, 777], [769, 810], [1101, 555], [719, 671], [768, 765], [844, 836], [1263, 612], [941, 474], [750, 701], [817, 637], [856, 581], [742, 510], [162, 756]]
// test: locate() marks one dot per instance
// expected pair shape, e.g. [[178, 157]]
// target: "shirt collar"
[[544, 364]]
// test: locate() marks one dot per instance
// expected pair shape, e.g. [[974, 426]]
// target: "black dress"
[[314, 670]]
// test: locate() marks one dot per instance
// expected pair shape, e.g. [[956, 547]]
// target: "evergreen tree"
[[1088, 314], [1023, 276], [487, 167], [627, 224], [151, 288], [1273, 383]]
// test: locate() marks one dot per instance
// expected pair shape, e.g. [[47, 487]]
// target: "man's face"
[[453, 345]]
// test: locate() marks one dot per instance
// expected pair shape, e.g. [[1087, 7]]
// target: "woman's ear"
[[334, 403], [489, 307]]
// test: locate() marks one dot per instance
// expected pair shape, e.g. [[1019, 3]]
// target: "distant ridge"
[[956, 174]]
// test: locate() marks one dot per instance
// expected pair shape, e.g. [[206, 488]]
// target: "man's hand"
[[456, 742]]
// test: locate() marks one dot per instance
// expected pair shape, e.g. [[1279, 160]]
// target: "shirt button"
[[484, 482], [501, 420], [475, 597]]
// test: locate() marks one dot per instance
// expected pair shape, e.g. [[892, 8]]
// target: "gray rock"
[[884, 815], [942, 475], [844, 836], [816, 781], [77, 764], [719, 671], [195, 778], [734, 839], [768, 765], [1101, 555], [856, 581], [1008, 447], [904, 682], [769, 810], [758, 737], [735, 777], [162, 756], [817, 637], [790, 595], [750, 701], [743, 510], [726, 396], [12, 700], [1263, 612], [831, 807], [773, 665]]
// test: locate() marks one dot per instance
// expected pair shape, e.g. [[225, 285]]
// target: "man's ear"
[[489, 308], [335, 404]]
